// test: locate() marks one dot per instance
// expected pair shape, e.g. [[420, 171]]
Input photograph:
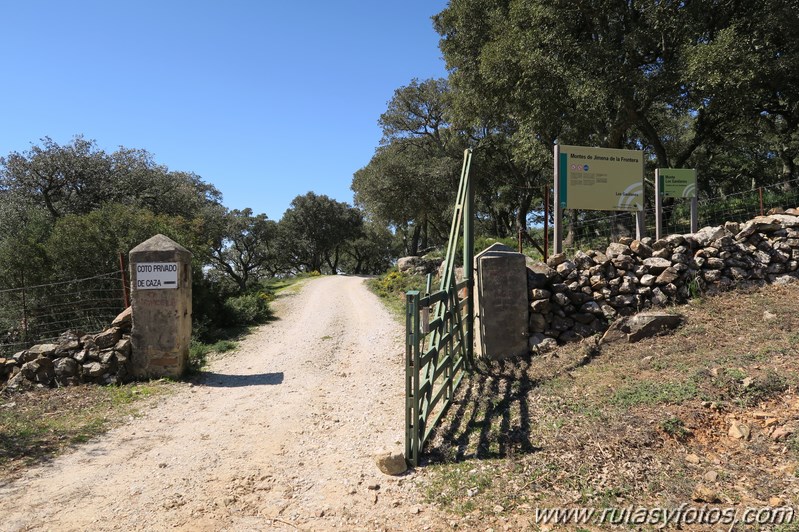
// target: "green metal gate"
[[439, 348]]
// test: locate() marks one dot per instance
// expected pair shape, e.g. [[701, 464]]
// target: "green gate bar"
[[439, 353]]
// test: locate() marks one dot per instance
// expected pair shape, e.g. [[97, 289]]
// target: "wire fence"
[[39, 314], [596, 229]]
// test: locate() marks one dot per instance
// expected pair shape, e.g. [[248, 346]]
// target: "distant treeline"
[[67, 211]]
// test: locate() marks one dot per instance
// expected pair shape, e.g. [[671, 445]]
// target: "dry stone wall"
[[571, 299], [76, 358]]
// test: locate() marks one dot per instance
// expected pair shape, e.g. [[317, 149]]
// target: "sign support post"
[[640, 227], [557, 210], [658, 206]]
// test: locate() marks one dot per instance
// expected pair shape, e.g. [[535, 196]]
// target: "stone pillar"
[[160, 279], [501, 293]]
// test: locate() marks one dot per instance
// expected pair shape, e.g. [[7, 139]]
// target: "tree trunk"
[[413, 249], [425, 232], [521, 213]]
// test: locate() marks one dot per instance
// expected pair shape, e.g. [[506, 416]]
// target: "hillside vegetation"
[[707, 415]]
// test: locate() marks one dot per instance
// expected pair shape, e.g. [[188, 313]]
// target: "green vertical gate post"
[[468, 262], [411, 380], [447, 337]]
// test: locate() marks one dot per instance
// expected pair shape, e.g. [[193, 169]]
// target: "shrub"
[[675, 428], [394, 284], [247, 309]]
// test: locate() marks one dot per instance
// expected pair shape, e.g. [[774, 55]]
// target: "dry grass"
[[39, 424], [628, 424]]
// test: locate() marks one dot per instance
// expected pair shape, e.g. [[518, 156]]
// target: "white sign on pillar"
[[156, 275]]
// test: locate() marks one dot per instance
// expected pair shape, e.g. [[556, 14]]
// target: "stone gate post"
[[160, 278], [501, 290]]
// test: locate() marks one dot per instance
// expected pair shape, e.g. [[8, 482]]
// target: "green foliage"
[[96, 238], [244, 250], [718, 93], [247, 309], [411, 181], [370, 253], [314, 232], [675, 427], [199, 351], [460, 487], [734, 386], [392, 286], [78, 177], [395, 284], [696, 287]]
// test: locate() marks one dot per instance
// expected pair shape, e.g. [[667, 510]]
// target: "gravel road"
[[278, 435]]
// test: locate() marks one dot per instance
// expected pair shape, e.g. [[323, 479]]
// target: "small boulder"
[[540, 344], [65, 367], [739, 431], [656, 264], [405, 264], [44, 350], [107, 338], [702, 493], [94, 369], [21, 357], [556, 260], [40, 370], [641, 249], [706, 235], [639, 326], [669, 275], [123, 346], [615, 249], [781, 433], [391, 463], [124, 319]]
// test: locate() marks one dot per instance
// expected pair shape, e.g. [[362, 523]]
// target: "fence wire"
[[39, 314], [596, 229]]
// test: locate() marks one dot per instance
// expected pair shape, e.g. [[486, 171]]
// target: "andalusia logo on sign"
[[629, 196]]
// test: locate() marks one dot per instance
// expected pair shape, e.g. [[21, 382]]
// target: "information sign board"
[[677, 182], [601, 179]]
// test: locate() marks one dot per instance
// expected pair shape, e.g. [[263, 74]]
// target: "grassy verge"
[[286, 285], [644, 423], [392, 286], [39, 424], [199, 353]]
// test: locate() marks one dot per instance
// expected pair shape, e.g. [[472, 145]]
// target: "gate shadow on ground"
[[490, 417], [220, 380]]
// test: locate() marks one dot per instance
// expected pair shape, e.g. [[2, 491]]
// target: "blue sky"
[[266, 100]]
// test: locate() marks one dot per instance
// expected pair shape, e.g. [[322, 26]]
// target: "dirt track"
[[278, 435]]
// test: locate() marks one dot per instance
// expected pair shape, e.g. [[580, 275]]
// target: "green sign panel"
[[677, 183], [601, 179]]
